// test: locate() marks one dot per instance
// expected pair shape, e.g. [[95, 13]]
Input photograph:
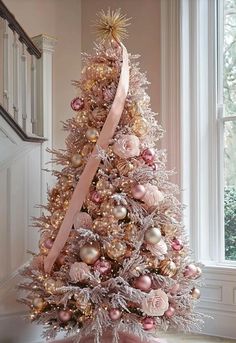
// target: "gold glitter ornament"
[[89, 253], [101, 225], [116, 249], [38, 303], [88, 85], [167, 268], [76, 160], [92, 134], [140, 127]]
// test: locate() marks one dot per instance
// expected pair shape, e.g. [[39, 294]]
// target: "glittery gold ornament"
[[140, 127], [167, 268], [195, 293], [88, 85], [76, 160], [89, 253], [119, 212], [39, 303], [57, 218], [124, 166], [106, 208], [87, 149], [116, 249], [92, 134], [152, 235]]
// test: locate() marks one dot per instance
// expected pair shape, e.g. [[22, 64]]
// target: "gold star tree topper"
[[111, 25]]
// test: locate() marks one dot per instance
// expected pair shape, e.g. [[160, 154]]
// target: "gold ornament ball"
[[140, 127], [89, 253], [76, 160], [195, 293], [119, 212], [167, 268], [152, 235], [38, 303], [116, 249], [92, 134]]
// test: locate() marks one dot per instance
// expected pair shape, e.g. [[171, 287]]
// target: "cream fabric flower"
[[156, 303], [152, 196], [79, 271], [127, 146]]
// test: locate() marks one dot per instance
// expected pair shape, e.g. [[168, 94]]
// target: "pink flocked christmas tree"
[[114, 258]]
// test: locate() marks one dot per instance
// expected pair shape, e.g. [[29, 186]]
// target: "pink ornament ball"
[[138, 191], [148, 156], [148, 323], [77, 104], [190, 271], [48, 243], [175, 289], [102, 266], [114, 314], [83, 220], [170, 312], [95, 197], [143, 283], [64, 315], [61, 259], [176, 244]]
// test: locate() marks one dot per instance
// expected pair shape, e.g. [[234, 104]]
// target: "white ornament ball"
[[120, 212]]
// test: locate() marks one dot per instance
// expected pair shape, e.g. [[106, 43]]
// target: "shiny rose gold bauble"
[[76, 160], [170, 312], [152, 235], [39, 303], [77, 104], [138, 191], [116, 249], [92, 134], [102, 266], [89, 253], [96, 197], [148, 323], [119, 212], [83, 220], [167, 268], [195, 293], [190, 271], [48, 243], [143, 282], [176, 244], [64, 315], [148, 156], [115, 314]]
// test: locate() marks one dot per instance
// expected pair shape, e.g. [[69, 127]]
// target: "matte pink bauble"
[[64, 315], [176, 244], [96, 197], [148, 156], [190, 270], [175, 289], [170, 312], [143, 283], [115, 314], [148, 323], [138, 191], [48, 243], [102, 266], [77, 104]]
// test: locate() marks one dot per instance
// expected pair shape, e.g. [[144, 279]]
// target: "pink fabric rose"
[[79, 271], [152, 196], [127, 146], [156, 303], [159, 249]]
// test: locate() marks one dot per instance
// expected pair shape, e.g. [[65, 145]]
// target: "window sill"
[[227, 268]]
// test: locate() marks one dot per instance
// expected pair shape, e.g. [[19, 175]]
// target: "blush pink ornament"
[[77, 104], [102, 266], [115, 314], [152, 196], [156, 303], [83, 220], [148, 323], [127, 146], [138, 191], [96, 197], [79, 271], [143, 282], [148, 155], [48, 243], [190, 271], [64, 315], [170, 312], [176, 244]]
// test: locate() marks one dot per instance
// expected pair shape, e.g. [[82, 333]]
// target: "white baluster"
[[23, 68], [6, 73], [15, 77], [33, 95]]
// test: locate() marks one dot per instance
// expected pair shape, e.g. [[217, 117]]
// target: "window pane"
[[229, 65], [230, 189]]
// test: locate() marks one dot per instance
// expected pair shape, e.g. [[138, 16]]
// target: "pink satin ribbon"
[[82, 187]]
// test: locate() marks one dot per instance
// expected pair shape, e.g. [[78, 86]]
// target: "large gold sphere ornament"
[[56, 218], [152, 235], [140, 127], [167, 268], [195, 293], [119, 212], [76, 160], [90, 253], [39, 303], [116, 249], [92, 134]]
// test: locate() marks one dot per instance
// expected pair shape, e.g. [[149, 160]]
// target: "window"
[[227, 121]]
